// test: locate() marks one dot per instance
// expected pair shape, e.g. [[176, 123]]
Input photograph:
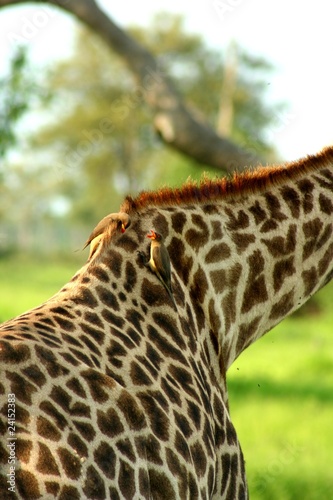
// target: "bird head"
[[124, 221], [154, 236]]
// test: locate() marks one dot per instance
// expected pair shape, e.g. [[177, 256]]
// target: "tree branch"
[[173, 120]]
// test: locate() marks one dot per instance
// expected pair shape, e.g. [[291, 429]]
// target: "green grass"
[[281, 400], [26, 282], [281, 389]]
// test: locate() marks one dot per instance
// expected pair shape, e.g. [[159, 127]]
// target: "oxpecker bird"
[[159, 261], [121, 218]]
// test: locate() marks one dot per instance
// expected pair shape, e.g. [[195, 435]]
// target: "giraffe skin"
[[119, 395]]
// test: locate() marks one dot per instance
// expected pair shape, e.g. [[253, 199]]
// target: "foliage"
[[101, 137], [18, 90]]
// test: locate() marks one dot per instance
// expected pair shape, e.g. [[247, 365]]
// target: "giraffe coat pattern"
[[119, 395]]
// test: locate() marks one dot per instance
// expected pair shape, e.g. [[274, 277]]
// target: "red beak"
[[152, 235]]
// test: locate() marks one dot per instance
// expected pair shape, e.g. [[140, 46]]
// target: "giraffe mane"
[[250, 181]]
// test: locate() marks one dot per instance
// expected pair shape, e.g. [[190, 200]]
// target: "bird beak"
[[152, 236], [123, 228]]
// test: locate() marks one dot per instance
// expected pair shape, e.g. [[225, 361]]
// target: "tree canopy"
[[100, 137]]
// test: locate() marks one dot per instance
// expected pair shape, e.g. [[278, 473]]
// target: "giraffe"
[[120, 395]]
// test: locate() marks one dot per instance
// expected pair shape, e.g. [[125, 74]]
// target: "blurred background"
[[259, 74]]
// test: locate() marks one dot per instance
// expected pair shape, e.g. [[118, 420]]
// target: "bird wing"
[[162, 263]]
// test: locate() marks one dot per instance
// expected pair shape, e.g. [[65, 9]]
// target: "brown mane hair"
[[251, 181]]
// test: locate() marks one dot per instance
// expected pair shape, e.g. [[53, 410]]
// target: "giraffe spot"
[[268, 225], [216, 230], [46, 463], [52, 488], [69, 358], [183, 424], [164, 346], [48, 359], [219, 280], [184, 378], [100, 385], [76, 443], [136, 319], [126, 449], [36, 376], [281, 308], [143, 481], [27, 485], [126, 480], [159, 422], [113, 319], [242, 240], [325, 180], [86, 430], [279, 246], [151, 292], [100, 273], [218, 253], [82, 357], [22, 389], [311, 231], [181, 262], [199, 285], [94, 486], [109, 423], [199, 459], [70, 463], [23, 449], [274, 207], [105, 458], [178, 221], [107, 297], [91, 346], [69, 492], [133, 414], [48, 408], [171, 392], [228, 305], [46, 429], [258, 213], [246, 335], [138, 375], [197, 238], [310, 280], [160, 485], [161, 224], [149, 365], [85, 297], [306, 187], [95, 320], [282, 270], [255, 293], [182, 447], [292, 199], [226, 474], [215, 322], [325, 261], [130, 277], [237, 221]]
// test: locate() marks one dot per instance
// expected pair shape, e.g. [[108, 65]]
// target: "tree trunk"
[[174, 122]]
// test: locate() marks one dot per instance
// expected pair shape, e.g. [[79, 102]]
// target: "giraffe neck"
[[251, 257]]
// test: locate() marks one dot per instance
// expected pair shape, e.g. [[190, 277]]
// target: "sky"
[[295, 36]]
